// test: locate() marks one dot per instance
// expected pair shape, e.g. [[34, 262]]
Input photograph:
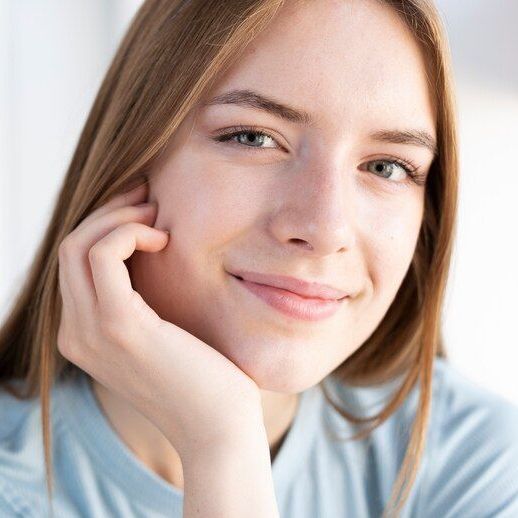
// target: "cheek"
[[389, 237], [202, 203]]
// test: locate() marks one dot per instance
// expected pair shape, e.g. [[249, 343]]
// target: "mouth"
[[292, 304], [308, 289]]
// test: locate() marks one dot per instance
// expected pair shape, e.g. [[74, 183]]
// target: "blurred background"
[[54, 53]]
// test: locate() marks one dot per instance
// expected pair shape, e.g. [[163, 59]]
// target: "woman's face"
[[320, 201]]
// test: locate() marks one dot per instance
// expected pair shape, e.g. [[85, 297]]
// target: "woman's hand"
[[196, 396]]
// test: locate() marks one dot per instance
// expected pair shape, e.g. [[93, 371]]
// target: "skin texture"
[[306, 204]]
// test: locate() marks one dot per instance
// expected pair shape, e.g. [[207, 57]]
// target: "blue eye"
[[380, 166], [253, 140], [251, 137], [389, 168]]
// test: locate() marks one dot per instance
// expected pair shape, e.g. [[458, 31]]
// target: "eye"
[[396, 171], [390, 169], [247, 137], [393, 169]]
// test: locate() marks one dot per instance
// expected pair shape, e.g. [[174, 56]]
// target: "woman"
[[185, 361]]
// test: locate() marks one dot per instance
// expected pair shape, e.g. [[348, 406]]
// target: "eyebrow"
[[251, 99], [255, 100], [412, 137]]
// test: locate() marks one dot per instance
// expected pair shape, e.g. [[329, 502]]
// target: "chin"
[[278, 371]]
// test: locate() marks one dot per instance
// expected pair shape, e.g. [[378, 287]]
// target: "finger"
[[66, 294], [69, 315], [110, 275], [77, 274], [136, 195]]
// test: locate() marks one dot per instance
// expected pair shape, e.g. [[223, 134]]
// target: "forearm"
[[231, 483]]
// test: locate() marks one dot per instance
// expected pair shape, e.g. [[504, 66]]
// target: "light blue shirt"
[[469, 468]]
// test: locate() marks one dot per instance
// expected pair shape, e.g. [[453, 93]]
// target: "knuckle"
[[131, 227], [96, 252], [131, 213], [141, 315], [113, 329], [65, 344], [65, 249]]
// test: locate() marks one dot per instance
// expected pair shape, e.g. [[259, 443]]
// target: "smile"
[[291, 304]]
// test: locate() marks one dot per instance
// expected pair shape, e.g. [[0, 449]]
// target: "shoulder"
[[13, 411], [20, 450], [466, 400], [471, 411], [473, 465], [11, 503], [469, 466]]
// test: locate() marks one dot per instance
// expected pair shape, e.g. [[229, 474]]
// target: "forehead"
[[350, 63]]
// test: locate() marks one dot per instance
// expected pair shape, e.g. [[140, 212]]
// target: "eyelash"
[[410, 169]]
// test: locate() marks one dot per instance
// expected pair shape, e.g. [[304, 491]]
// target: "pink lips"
[[304, 289], [292, 304]]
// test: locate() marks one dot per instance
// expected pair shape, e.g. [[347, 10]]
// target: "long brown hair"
[[172, 54]]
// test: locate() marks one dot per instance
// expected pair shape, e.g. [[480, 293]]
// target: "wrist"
[[248, 439], [231, 481]]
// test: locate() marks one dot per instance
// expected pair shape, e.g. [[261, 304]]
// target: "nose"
[[318, 213]]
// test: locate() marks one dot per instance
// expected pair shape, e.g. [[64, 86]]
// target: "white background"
[[54, 53]]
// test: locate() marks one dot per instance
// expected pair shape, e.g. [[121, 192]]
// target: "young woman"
[[245, 266]]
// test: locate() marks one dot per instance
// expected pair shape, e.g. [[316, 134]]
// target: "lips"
[[308, 290]]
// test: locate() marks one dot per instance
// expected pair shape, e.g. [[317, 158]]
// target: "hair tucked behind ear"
[[171, 55]]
